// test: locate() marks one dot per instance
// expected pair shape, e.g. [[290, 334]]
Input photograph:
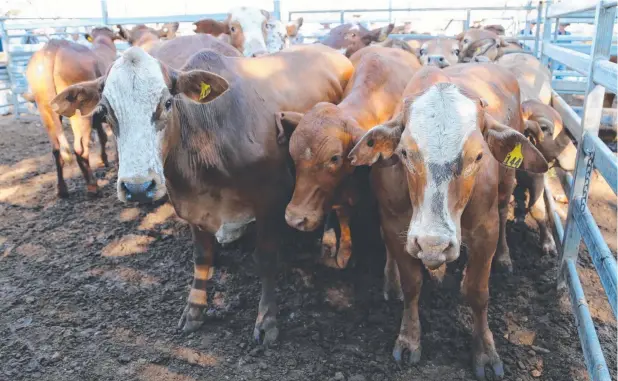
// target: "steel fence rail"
[[591, 154]]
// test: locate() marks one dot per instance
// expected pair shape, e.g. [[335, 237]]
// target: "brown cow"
[[251, 31], [145, 37], [176, 52], [441, 52], [481, 42], [52, 69], [349, 38], [323, 137], [215, 149], [445, 186], [396, 43], [534, 78]]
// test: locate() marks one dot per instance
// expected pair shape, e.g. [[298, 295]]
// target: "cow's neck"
[[360, 108], [104, 47]]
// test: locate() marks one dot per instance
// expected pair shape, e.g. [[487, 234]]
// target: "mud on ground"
[[93, 289]]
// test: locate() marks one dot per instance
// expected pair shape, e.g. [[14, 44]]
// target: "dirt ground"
[[93, 289]]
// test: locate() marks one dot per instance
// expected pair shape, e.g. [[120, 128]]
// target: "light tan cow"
[[440, 52]]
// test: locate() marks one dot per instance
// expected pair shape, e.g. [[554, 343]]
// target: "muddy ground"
[[93, 289]]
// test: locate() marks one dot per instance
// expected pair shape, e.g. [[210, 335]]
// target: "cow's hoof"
[[404, 347], [92, 191], [63, 192], [503, 265], [266, 332], [486, 356], [549, 247], [329, 244], [192, 318], [105, 161]]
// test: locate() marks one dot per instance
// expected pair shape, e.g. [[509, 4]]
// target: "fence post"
[[591, 118], [342, 17], [104, 15], [537, 32], [277, 9], [546, 34], [467, 22], [6, 48]]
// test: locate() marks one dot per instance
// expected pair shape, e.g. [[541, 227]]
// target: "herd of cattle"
[[215, 120]]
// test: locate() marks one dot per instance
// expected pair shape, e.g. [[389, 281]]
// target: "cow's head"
[[279, 35], [168, 30], [441, 52], [443, 139], [545, 129], [350, 38], [102, 34], [480, 42], [319, 145], [246, 26], [137, 98]]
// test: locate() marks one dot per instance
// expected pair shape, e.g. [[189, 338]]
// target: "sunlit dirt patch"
[[126, 275], [159, 216], [194, 357], [128, 214], [33, 251], [128, 245], [153, 372], [340, 298]]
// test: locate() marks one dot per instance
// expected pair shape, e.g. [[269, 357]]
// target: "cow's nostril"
[[152, 186], [441, 59]]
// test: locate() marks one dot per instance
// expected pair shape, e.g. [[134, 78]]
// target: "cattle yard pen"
[[590, 73]]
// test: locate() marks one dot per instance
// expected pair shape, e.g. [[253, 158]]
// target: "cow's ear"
[[378, 143], [379, 34], [83, 97], [266, 14], [533, 132], [88, 37], [511, 148], [460, 36], [286, 122], [210, 26], [199, 85], [293, 27], [123, 32]]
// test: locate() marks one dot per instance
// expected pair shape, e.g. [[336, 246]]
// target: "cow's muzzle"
[[433, 251]]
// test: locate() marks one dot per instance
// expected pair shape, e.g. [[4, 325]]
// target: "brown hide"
[[177, 51], [480, 42], [534, 79], [322, 140], [440, 52], [56, 66]]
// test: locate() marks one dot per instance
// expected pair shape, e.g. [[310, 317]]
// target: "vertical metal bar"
[[593, 110], [7, 51], [104, 14], [277, 9], [593, 354], [546, 34], [390, 11], [537, 32], [554, 39], [467, 22], [342, 17]]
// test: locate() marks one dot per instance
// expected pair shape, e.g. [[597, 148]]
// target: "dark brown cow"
[[146, 37], [445, 186], [440, 52], [349, 38], [323, 137], [52, 69], [216, 149]]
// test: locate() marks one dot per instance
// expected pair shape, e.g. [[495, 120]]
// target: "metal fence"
[[592, 154]]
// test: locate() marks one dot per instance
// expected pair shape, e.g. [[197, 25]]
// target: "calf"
[[52, 69], [251, 31], [349, 38], [442, 183], [323, 137], [208, 134], [441, 52]]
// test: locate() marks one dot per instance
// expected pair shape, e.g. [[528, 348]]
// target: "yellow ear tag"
[[205, 90], [514, 158], [89, 38], [478, 50]]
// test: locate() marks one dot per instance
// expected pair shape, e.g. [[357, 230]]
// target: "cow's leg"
[[265, 256], [409, 339], [538, 212], [82, 126], [506, 187], [475, 289], [392, 280], [60, 146], [203, 254], [97, 124], [344, 249]]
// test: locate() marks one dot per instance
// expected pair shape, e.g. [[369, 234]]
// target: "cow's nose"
[[433, 250], [139, 192], [296, 222], [437, 59]]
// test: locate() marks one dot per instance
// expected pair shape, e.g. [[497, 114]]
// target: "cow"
[[351, 37], [446, 176], [534, 78], [207, 134], [485, 43], [322, 138], [440, 52], [176, 52], [251, 31], [396, 43], [146, 37], [51, 70]]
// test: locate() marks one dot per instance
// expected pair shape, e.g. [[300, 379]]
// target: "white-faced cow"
[[207, 134], [446, 188]]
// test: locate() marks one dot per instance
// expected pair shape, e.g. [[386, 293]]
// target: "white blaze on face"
[[133, 89], [276, 36], [440, 121], [251, 21]]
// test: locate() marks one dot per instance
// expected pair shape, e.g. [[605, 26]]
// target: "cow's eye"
[[479, 157], [168, 104], [423, 52], [544, 128], [233, 29], [404, 154], [456, 52], [335, 159], [466, 41]]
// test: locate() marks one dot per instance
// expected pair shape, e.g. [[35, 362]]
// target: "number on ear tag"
[[514, 158]]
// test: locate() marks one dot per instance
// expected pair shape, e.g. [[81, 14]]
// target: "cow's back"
[[176, 52], [534, 79], [297, 78]]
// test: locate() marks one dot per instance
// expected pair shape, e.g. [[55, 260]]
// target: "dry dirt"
[[93, 289]]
